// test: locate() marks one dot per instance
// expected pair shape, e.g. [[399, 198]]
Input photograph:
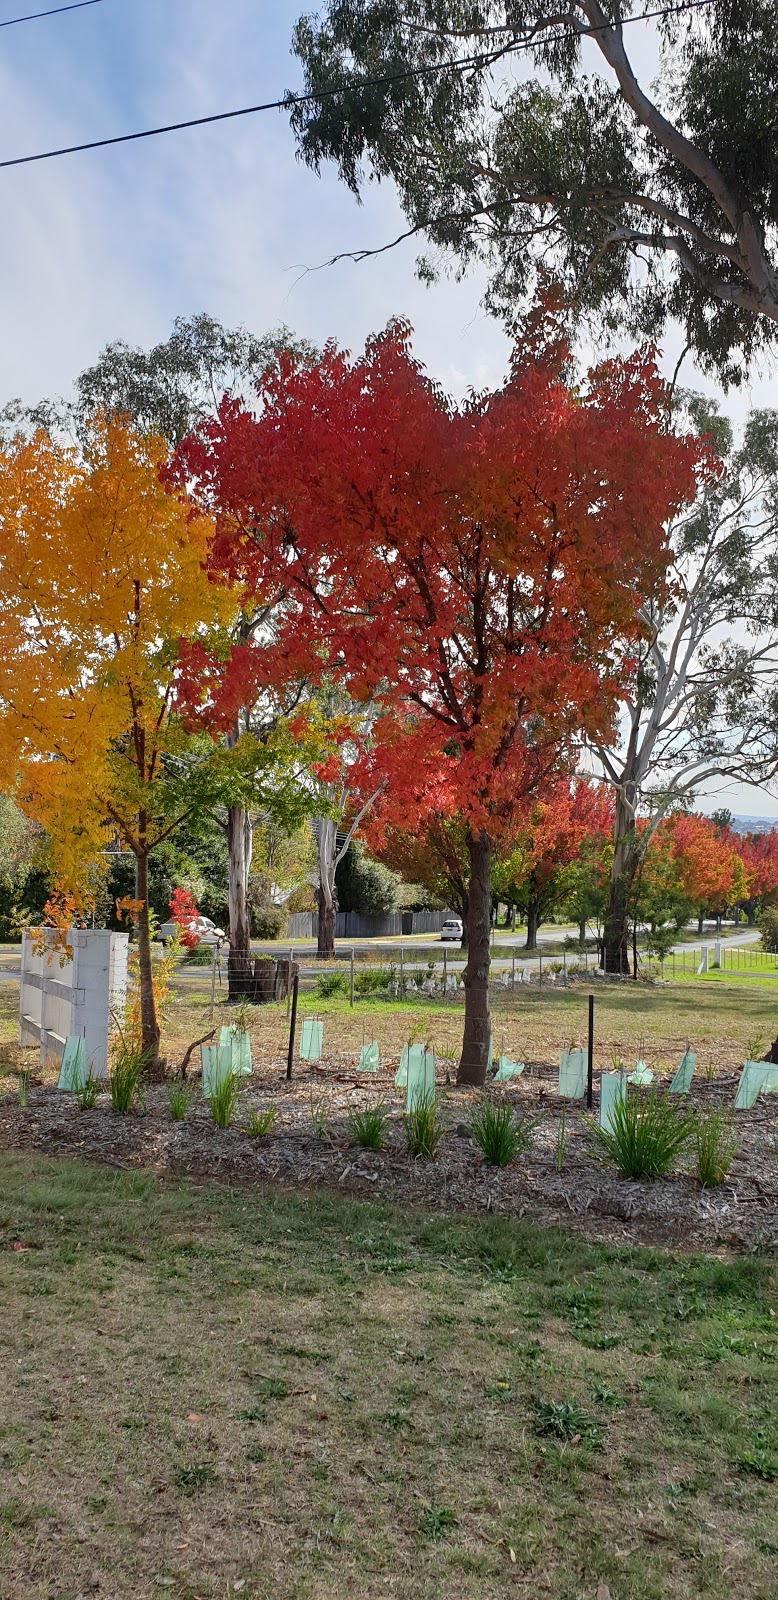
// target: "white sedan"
[[206, 930], [452, 928]]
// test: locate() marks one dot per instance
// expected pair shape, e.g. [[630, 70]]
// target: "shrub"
[[127, 1065], [268, 922], [201, 956], [372, 979], [368, 1127], [768, 927], [648, 1133], [500, 1135], [331, 983], [224, 1098], [423, 1128], [178, 1097], [260, 1122], [716, 1145]]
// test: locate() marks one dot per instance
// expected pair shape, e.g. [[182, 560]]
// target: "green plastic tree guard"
[[241, 1050], [612, 1089], [216, 1064], [572, 1074], [368, 1058], [507, 1069], [72, 1072], [681, 1081], [642, 1074], [421, 1075], [311, 1040], [757, 1077]]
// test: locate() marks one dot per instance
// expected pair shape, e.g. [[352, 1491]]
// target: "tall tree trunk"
[[475, 1043], [615, 936], [533, 923], [700, 922], [148, 1012], [582, 932], [328, 844], [239, 846]]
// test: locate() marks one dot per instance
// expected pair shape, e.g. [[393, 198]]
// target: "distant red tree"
[[183, 912]]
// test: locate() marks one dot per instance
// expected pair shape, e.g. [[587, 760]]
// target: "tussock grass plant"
[[649, 1131], [23, 1087], [321, 1117], [260, 1122], [500, 1135], [178, 1097], [86, 1093], [329, 984], [367, 1127], [423, 1127], [127, 1064], [716, 1145], [224, 1098], [371, 980]]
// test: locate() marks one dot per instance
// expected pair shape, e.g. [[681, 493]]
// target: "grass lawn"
[[207, 1392]]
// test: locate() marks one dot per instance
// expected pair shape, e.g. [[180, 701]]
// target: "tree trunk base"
[[240, 976]]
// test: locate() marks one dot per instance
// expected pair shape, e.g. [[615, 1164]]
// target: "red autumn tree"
[[759, 854], [473, 570], [710, 872], [183, 912], [534, 872]]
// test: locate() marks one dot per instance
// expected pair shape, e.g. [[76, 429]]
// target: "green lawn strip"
[[310, 1396]]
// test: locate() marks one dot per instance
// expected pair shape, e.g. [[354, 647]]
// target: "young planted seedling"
[[224, 1098], [500, 1135], [367, 1128], [716, 1145], [423, 1128], [178, 1097], [646, 1134], [260, 1122]]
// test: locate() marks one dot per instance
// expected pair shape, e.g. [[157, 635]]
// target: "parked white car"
[[206, 930], [452, 928]]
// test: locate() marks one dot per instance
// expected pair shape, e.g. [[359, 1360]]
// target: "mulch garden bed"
[[740, 1215]]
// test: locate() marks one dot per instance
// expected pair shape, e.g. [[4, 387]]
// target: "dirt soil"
[[740, 1215]]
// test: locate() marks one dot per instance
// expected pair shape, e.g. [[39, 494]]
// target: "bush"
[[500, 1136], [331, 983], [648, 1133], [368, 1127], [260, 1122], [716, 1145], [268, 922], [201, 956], [768, 927], [127, 1065], [372, 979], [224, 1098], [423, 1128]]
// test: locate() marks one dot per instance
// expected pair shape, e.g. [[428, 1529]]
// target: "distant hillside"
[[754, 824]]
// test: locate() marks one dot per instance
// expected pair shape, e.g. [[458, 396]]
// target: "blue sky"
[[115, 244]]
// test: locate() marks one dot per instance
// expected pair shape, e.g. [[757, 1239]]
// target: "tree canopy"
[[649, 201]]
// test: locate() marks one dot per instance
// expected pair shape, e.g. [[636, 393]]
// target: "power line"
[[289, 100], [34, 16]]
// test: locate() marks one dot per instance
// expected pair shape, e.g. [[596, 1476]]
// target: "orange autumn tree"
[[102, 569], [475, 572]]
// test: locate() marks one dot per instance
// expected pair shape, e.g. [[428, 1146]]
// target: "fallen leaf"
[[241, 1584], [603, 1592], [512, 1554], [194, 1416], [22, 1477]]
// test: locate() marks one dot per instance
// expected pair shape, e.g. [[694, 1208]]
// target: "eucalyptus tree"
[[702, 700], [649, 202]]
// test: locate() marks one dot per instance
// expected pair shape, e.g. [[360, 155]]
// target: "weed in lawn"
[[435, 1523], [648, 1133], [500, 1135], [127, 1064], [260, 1122], [760, 1463], [321, 1116], [423, 1127], [565, 1420], [224, 1099], [190, 1480], [178, 1097], [368, 1126], [716, 1145], [602, 1395], [87, 1092]]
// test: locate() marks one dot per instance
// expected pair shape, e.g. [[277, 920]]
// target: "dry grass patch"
[[213, 1392]]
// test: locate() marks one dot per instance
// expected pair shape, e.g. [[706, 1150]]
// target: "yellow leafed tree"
[[103, 573]]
